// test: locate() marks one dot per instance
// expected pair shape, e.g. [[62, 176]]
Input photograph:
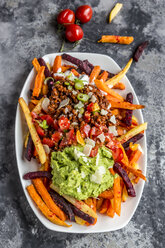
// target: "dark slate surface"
[[27, 30]]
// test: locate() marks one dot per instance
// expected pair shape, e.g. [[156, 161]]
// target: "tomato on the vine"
[[66, 16], [84, 13], [74, 32]]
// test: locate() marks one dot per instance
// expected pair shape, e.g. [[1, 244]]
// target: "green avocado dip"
[[80, 176]]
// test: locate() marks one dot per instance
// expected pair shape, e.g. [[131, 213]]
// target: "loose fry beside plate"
[[115, 11], [32, 130], [114, 80], [125, 40]]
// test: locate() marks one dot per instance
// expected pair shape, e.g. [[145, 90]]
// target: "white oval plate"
[[104, 223]]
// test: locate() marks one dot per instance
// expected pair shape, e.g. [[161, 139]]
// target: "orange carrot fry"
[[117, 195], [44, 209], [126, 40], [107, 194], [102, 86], [95, 72], [36, 64], [103, 76], [39, 81], [57, 63], [124, 194], [112, 171], [99, 203], [115, 112], [44, 89], [64, 68], [47, 198], [104, 206], [135, 155], [137, 173], [110, 211], [75, 73], [112, 98], [126, 105], [124, 161], [119, 86]]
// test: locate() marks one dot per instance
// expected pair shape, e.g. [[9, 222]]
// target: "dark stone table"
[[27, 29]]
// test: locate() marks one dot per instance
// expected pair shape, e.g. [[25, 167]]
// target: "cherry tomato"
[[84, 13], [48, 119], [85, 130], [74, 32], [94, 132], [63, 143], [55, 125], [40, 131], [66, 16], [87, 116], [48, 142], [94, 151], [90, 107], [117, 153], [64, 123], [71, 137], [56, 136]]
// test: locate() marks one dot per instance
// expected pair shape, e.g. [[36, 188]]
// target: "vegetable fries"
[[126, 40], [115, 11], [32, 130], [57, 208]]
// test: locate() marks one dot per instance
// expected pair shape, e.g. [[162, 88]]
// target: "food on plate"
[[126, 40], [115, 11], [140, 50], [83, 135], [66, 16], [74, 32], [84, 13]]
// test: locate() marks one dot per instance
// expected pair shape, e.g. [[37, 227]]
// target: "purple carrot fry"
[[128, 114], [133, 140], [139, 50], [29, 149], [82, 215], [119, 170], [82, 65], [37, 174], [62, 204], [42, 63]]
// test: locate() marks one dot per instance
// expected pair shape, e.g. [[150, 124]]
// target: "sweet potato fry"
[[124, 194], [111, 98], [126, 105], [131, 133], [47, 198], [65, 68], [107, 194], [99, 203], [119, 86], [104, 206], [39, 81], [114, 80], [112, 172], [126, 40], [95, 72], [75, 73], [102, 86], [79, 221], [135, 155], [103, 76], [36, 64], [57, 63], [110, 211], [115, 11], [44, 89], [79, 204], [44, 209], [32, 130], [117, 195], [125, 160], [137, 173]]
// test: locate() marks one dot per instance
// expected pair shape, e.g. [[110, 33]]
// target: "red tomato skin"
[[48, 142], [48, 119], [94, 151], [90, 107], [40, 131], [64, 123], [117, 154], [73, 32], [87, 116], [56, 136], [55, 125], [85, 130], [94, 132], [66, 16], [84, 13]]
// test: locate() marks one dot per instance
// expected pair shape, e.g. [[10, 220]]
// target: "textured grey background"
[[27, 30]]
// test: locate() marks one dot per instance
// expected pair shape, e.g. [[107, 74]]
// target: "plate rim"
[[34, 207]]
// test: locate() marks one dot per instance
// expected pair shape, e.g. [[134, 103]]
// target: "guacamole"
[[80, 176]]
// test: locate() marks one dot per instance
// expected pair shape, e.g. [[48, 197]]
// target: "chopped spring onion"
[[83, 97], [79, 85], [48, 78]]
